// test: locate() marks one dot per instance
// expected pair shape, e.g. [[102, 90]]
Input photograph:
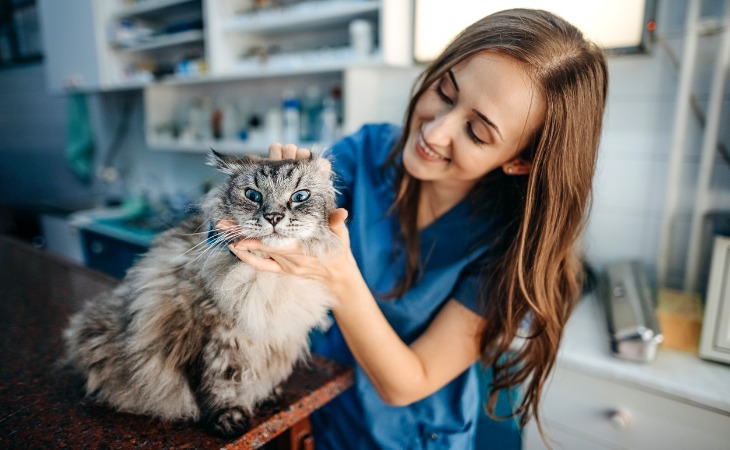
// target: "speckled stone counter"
[[41, 403]]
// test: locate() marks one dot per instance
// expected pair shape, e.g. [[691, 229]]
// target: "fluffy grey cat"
[[192, 332]]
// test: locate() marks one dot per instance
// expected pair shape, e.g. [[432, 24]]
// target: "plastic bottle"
[[274, 126], [291, 119], [361, 38], [311, 111], [329, 130], [230, 122]]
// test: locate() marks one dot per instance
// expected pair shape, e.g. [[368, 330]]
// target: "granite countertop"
[[680, 375], [41, 403]]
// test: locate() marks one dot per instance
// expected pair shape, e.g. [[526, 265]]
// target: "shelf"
[[262, 71], [305, 15], [148, 7], [205, 146], [222, 146], [166, 41]]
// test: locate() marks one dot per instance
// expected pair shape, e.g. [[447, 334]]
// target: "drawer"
[[584, 412], [109, 255]]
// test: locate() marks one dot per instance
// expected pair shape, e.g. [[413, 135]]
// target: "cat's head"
[[276, 201]]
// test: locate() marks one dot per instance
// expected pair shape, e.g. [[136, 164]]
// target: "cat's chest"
[[265, 303]]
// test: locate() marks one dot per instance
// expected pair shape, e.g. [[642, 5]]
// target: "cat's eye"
[[300, 196], [253, 195]]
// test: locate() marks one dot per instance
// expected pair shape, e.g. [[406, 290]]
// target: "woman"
[[462, 234]]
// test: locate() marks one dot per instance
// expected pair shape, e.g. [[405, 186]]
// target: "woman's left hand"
[[331, 269]]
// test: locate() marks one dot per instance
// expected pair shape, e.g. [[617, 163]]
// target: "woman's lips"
[[426, 153]]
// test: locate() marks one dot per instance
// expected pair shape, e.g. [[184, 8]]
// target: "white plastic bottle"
[[290, 120], [329, 131]]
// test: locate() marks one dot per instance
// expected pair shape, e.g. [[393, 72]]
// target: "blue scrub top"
[[454, 250]]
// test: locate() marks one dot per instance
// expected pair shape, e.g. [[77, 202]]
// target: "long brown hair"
[[537, 277]]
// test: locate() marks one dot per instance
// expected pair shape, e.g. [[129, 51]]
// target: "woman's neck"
[[435, 199]]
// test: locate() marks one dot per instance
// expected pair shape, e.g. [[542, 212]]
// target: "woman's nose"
[[440, 130]]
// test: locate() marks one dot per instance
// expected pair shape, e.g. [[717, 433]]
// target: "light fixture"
[[615, 25]]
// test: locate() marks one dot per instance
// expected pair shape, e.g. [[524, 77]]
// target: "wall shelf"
[[305, 15], [149, 7], [166, 41]]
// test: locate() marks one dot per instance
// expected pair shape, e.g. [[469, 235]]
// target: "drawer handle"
[[97, 248], [620, 419]]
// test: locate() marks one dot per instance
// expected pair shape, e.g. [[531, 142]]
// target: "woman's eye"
[[253, 195], [300, 196], [473, 136]]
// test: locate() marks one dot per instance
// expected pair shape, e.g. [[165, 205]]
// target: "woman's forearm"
[[394, 368]]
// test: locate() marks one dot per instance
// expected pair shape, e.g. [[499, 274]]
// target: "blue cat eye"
[[254, 196], [300, 196]]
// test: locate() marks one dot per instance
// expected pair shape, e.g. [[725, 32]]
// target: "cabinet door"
[[70, 45]]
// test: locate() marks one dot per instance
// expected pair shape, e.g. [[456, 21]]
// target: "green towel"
[[79, 140]]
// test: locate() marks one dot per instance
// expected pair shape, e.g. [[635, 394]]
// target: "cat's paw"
[[230, 422]]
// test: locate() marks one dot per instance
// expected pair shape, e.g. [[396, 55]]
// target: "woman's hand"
[[288, 151], [332, 269]]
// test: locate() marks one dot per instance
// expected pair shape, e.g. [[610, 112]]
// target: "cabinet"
[[206, 60], [596, 401], [117, 44], [259, 56], [583, 411]]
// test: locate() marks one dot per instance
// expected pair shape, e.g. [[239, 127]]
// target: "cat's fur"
[[194, 333]]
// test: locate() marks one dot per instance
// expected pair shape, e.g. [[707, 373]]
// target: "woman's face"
[[476, 118]]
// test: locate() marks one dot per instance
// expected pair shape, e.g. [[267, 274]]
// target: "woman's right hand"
[[288, 151]]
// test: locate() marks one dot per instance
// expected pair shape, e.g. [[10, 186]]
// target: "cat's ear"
[[227, 164], [324, 166]]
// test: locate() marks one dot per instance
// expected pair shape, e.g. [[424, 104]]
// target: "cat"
[[193, 333]]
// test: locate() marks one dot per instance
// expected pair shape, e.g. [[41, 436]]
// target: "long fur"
[[192, 332]]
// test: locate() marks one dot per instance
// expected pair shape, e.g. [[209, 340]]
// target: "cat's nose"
[[273, 218]]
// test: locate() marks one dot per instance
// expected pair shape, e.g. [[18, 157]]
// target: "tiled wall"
[[631, 181]]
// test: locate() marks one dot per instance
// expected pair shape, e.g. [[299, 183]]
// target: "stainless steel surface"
[[630, 312]]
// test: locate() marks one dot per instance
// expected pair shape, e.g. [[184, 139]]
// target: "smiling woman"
[[462, 235]]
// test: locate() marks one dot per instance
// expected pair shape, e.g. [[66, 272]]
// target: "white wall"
[[631, 180]]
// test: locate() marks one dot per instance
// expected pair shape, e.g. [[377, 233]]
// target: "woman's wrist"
[[346, 279]]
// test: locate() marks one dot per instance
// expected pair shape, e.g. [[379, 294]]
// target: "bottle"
[[361, 38], [274, 126], [290, 119], [310, 116], [329, 130], [230, 122]]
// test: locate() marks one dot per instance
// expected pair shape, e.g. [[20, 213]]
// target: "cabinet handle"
[[97, 248], [620, 419]]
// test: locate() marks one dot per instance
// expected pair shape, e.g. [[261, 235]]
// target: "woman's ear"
[[517, 166]]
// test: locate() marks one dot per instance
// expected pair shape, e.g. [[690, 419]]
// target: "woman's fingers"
[[255, 261], [337, 225], [275, 151], [225, 224], [303, 153], [289, 151]]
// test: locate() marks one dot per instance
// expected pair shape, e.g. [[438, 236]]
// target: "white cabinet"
[[596, 401], [303, 36], [584, 411], [116, 44], [152, 39], [258, 56], [200, 60]]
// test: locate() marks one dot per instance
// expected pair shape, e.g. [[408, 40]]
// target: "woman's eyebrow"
[[453, 80], [484, 118]]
